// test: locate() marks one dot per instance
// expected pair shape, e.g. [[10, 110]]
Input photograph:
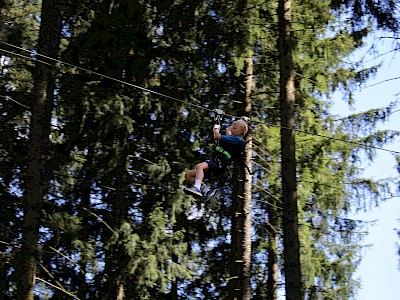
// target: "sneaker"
[[212, 194], [194, 191]]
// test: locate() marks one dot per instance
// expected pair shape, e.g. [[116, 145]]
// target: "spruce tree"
[[342, 77], [149, 166], [293, 282], [39, 131], [117, 223], [17, 27]]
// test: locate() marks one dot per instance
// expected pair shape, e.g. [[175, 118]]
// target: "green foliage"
[[361, 12], [115, 211]]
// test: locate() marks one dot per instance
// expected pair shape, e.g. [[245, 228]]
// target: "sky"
[[379, 270]]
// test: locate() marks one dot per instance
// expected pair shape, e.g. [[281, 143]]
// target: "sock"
[[197, 183], [205, 189]]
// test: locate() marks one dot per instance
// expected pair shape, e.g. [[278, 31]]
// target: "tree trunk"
[[48, 45], [84, 192], [240, 260], [248, 184], [116, 257], [174, 284], [2, 12], [3, 270], [272, 265], [289, 184]]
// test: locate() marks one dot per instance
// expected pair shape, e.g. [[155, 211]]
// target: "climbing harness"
[[218, 117], [222, 154], [223, 151]]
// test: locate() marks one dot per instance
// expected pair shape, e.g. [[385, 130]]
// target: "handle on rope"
[[246, 119], [219, 113]]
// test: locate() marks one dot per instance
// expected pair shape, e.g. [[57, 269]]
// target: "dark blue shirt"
[[233, 144]]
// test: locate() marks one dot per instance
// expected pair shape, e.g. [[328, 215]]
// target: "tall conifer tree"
[[135, 220], [39, 132], [293, 282]]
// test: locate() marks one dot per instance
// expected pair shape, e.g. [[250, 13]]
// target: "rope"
[[60, 62]]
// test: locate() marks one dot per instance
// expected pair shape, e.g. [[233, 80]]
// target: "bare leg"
[[195, 179], [200, 169], [197, 173], [190, 176]]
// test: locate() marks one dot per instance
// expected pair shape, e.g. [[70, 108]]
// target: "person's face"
[[235, 129]]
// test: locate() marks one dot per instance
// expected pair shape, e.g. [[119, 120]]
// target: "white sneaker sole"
[[192, 193]]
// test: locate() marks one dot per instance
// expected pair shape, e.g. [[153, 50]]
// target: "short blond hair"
[[242, 125]]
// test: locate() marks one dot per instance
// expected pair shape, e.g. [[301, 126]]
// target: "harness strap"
[[223, 151]]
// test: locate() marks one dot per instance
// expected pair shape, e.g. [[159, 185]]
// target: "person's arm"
[[229, 131], [217, 135]]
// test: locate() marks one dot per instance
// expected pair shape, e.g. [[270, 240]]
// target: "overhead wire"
[[99, 74], [174, 99], [383, 81], [60, 62]]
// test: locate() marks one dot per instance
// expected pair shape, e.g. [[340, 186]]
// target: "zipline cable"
[[98, 74], [182, 101]]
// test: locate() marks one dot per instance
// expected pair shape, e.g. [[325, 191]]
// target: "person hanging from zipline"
[[228, 147]]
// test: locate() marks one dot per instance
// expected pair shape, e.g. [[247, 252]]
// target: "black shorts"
[[217, 164]]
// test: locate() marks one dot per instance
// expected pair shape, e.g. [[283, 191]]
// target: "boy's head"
[[239, 127]]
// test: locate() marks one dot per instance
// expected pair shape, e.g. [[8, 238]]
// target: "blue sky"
[[379, 270]]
